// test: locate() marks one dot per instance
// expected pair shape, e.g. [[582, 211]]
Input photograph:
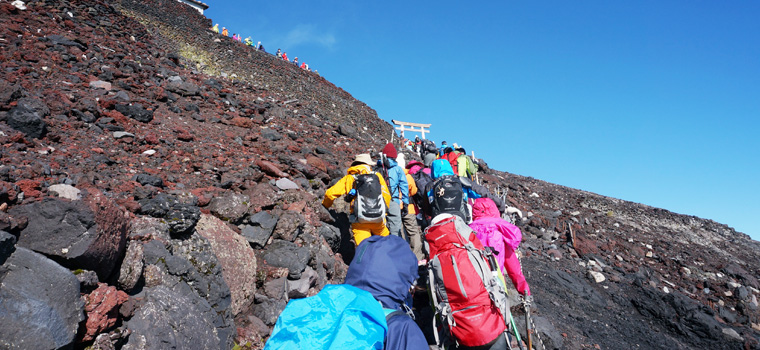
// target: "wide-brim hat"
[[363, 158]]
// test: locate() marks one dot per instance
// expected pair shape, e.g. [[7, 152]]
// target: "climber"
[[215, 28], [398, 187], [295, 61], [278, 54], [446, 193], [285, 56], [503, 237], [388, 270], [225, 32], [248, 41], [443, 147], [413, 232], [367, 216]]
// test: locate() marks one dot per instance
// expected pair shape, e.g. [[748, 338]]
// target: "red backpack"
[[467, 298]]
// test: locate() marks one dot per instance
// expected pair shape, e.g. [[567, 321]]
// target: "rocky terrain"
[[160, 188]]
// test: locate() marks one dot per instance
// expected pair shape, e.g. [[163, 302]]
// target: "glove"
[[404, 210]]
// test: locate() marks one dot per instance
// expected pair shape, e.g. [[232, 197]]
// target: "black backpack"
[[369, 205], [448, 197], [422, 181], [429, 146]]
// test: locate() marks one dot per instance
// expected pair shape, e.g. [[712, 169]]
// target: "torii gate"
[[404, 126]]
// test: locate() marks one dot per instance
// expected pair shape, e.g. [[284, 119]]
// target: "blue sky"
[[656, 102]]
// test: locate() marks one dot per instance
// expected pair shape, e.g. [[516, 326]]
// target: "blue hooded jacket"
[[386, 267], [397, 181], [442, 167]]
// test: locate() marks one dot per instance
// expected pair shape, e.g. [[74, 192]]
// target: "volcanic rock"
[[236, 257], [27, 121], [75, 234], [40, 302]]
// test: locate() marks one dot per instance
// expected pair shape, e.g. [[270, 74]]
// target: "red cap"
[[390, 150]]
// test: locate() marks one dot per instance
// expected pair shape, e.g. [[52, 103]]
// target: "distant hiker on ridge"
[[215, 28]]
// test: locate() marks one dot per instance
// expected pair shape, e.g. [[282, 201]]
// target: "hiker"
[[469, 301], [446, 193], [412, 228], [260, 47], [369, 311], [465, 166], [303, 65], [215, 28], [421, 177], [248, 41], [278, 54], [371, 222], [295, 61], [387, 269], [285, 56], [442, 148], [451, 156], [429, 152], [502, 236], [397, 186], [225, 32]]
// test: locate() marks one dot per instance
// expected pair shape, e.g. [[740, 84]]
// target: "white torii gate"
[[415, 127]]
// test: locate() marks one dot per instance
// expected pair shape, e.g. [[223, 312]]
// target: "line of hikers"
[[463, 255], [249, 42]]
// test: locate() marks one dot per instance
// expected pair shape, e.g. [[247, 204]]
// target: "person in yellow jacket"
[[361, 165], [413, 231], [215, 28]]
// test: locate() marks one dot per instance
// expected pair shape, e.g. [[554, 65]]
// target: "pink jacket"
[[495, 232]]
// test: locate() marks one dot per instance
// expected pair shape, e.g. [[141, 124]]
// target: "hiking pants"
[[414, 234], [393, 220], [362, 231]]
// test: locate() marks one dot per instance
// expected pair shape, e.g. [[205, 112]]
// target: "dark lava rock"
[[270, 134], [40, 305], [173, 318], [331, 234], [145, 179], [27, 121], [261, 228], [289, 226], [182, 218], [347, 130], [158, 206], [135, 111], [269, 311], [60, 40], [289, 255], [183, 88], [7, 245], [678, 312], [75, 235], [230, 207]]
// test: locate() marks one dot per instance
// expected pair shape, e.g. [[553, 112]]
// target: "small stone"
[[732, 334], [598, 277], [122, 134], [149, 152], [66, 191], [286, 184], [650, 254], [99, 84], [666, 290]]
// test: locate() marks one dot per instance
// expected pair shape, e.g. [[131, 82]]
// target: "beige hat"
[[363, 158]]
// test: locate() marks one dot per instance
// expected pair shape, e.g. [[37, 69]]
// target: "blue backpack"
[[338, 317]]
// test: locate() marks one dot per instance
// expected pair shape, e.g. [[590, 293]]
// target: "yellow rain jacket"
[[342, 187]]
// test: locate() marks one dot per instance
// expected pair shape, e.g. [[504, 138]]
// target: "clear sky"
[[656, 102]]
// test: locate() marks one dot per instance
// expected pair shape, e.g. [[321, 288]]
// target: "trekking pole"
[[517, 333], [528, 328]]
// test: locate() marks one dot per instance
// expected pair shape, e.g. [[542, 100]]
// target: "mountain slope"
[[201, 165]]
